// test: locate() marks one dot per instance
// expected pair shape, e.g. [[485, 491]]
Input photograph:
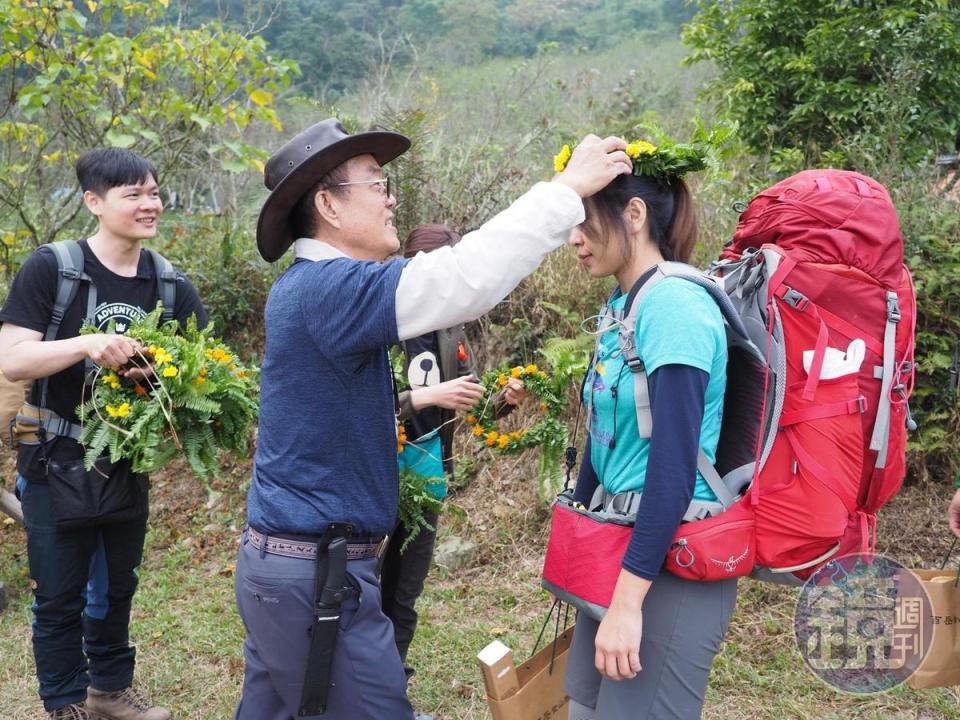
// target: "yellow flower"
[[530, 369], [516, 372], [170, 372], [219, 355], [504, 441], [542, 374], [515, 435], [122, 411], [502, 380], [561, 159], [478, 430], [242, 374], [160, 356], [492, 438], [112, 380], [544, 407], [640, 147]]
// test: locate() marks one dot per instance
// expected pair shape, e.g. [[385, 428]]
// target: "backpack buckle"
[[893, 308], [634, 363], [71, 273], [795, 299]]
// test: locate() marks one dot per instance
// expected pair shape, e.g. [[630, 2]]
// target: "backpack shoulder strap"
[[628, 346], [166, 284], [70, 274], [697, 277], [69, 257]]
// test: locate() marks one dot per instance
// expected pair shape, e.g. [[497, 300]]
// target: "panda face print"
[[423, 371]]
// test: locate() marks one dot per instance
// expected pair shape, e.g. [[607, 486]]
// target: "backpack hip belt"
[[33, 424]]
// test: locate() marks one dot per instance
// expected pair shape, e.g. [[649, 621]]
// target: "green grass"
[[189, 636]]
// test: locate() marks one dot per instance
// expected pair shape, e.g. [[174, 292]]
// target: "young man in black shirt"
[[78, 643]]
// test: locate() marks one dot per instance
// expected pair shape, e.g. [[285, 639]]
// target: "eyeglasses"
[[382, 185]]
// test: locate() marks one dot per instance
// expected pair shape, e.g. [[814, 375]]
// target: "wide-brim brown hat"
[[301, 163]]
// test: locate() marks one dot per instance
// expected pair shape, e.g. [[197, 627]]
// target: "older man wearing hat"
[[325, 481]]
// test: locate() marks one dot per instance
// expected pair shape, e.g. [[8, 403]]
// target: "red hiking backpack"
[[814, 429]]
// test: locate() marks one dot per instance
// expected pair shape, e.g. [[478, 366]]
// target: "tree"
[[816, 76], [104, 73]]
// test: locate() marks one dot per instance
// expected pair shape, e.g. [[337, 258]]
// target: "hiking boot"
[[73, 711], [127, 704]]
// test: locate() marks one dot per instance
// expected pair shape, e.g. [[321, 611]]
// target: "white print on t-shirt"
[[424, 370], [120, 313]]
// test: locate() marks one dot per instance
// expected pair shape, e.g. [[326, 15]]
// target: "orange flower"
[[544, 407], [472, 419], [504, 441], [140, 390], [478, 430]]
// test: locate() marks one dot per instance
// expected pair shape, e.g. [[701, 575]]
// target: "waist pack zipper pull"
[[682, 548]]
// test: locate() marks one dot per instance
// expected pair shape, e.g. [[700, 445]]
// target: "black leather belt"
[[288, 547]]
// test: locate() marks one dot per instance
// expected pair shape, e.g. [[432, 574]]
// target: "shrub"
[[813, 75], [232, 280]]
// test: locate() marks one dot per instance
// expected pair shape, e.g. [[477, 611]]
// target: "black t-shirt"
[[120, 299]]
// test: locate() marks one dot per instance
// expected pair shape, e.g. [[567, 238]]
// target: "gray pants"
[[275, 599], [683, 625]]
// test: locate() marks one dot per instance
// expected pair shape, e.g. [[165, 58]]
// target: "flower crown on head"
[[669, 161]]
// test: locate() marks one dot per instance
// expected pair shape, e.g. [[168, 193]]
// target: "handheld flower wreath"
[[549, 431], [200, 399]]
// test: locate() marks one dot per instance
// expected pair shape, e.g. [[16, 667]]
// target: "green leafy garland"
[[549, 433], [200, 399], [668, 159]]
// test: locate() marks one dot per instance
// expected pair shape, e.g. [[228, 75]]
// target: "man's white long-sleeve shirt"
[[455, 284]]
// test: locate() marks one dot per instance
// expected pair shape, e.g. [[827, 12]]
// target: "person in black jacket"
[[439, 367]]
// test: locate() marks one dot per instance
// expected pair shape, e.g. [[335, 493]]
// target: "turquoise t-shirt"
[[678, 324]]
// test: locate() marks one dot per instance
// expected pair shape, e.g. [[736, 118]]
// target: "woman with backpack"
[[651, 654], [439, 369]]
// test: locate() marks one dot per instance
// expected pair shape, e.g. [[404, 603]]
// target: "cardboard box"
[[539, 693]]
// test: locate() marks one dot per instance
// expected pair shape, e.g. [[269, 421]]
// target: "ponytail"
[[683, 224]]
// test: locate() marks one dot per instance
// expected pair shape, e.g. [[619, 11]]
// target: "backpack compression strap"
[[880, 439]]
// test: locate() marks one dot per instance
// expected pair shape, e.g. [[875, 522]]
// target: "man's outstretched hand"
[[595, 163]]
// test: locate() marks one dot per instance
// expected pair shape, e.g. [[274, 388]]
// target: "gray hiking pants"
[[275, 599], [683, 626]]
